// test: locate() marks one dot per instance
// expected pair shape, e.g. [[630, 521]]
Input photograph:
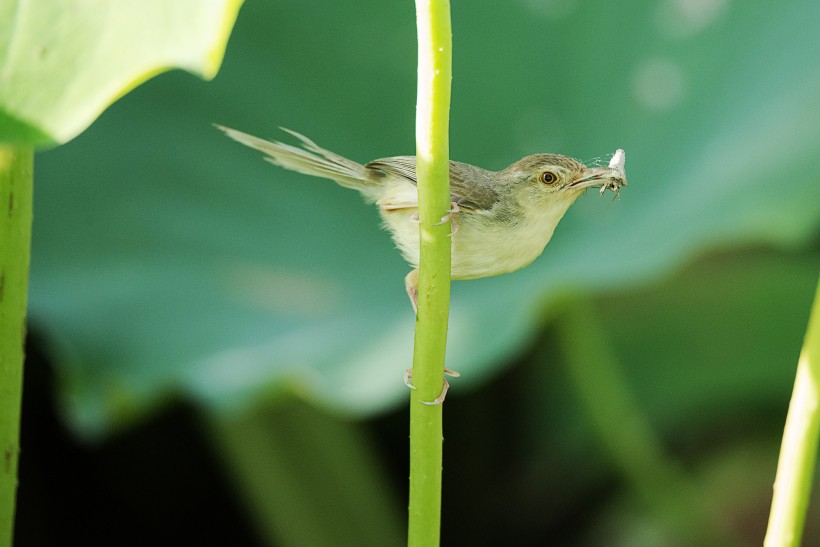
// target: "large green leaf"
[[169, 259], [62, 62]]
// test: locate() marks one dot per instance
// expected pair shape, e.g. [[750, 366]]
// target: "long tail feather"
[[310, 160]]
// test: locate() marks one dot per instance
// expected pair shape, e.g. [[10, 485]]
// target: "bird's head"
[[556, 180]]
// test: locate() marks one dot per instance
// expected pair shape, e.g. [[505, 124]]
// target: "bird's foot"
[[408, 381], [451, 216]]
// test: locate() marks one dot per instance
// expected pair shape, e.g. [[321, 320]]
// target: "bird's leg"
[[411, 283]]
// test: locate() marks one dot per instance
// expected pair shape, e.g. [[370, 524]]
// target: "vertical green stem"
[[15, 248], [629, 438], [308, 477], [607, 398], [798, 453], [432, 167]]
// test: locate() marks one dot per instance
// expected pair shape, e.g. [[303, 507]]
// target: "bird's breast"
[[485, 243]]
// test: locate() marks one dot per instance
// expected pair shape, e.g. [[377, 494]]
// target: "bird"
[[502, 220]]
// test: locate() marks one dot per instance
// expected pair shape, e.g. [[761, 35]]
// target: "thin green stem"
[[798, 453], [629, 438], [432, 166], [15, 248], [608, 400], [308, 477]]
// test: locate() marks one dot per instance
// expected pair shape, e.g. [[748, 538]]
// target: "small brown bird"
[[502, 219]]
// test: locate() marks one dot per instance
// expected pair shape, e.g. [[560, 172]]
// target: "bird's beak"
[[596, 176], [613, 177]]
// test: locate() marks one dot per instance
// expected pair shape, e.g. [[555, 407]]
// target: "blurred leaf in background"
[[168, 260], [171, 262]]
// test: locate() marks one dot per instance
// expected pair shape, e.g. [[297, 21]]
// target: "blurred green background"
[[218, 345]]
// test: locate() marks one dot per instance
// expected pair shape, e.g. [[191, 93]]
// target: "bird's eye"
[[548, 177]]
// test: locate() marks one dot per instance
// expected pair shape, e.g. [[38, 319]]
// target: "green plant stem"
[[629, 438], [308, 477], [15, 248], [432, 166], [607, 398], [798, 453]]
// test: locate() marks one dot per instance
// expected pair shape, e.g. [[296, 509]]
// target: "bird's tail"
[[310, 160]]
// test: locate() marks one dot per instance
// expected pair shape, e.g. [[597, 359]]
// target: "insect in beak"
[[612, 177]]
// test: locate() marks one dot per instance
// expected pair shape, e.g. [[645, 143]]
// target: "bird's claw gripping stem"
[[408, 381], [451, 216]]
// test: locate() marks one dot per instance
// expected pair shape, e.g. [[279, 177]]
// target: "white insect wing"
[[617, 163]]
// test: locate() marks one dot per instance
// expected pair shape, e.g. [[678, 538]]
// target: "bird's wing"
[[469, 186]]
